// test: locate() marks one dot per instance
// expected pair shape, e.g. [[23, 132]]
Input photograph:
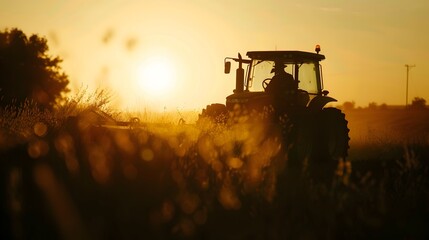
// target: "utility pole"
[[406, 89]]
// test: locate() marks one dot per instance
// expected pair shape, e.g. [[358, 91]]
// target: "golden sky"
[[120, 45]]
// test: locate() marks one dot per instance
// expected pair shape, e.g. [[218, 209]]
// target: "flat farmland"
[[389, 125]]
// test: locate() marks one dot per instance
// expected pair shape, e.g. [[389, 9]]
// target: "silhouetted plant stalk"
[[84, 100]]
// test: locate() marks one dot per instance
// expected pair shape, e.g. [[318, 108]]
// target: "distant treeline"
[[416, 103]]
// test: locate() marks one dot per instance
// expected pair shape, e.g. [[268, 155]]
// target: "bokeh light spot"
[[40, 129], [38, 149], [147, 154]]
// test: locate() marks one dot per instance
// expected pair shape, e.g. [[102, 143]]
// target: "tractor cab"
[[302, 67]]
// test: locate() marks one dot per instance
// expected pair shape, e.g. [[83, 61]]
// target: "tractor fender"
[[319, 102]]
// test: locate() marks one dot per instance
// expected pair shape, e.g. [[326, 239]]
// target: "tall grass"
[[17, 122], [20, 123], [83, 100]]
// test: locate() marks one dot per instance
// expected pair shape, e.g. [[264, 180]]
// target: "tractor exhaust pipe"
[[239, 76]]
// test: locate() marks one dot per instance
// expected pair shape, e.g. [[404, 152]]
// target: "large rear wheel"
[[333, 134], [331, 145], [320, 138]]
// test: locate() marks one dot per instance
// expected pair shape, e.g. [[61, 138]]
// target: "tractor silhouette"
[[286, 87]]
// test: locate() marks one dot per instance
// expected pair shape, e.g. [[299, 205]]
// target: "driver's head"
[[279, 67]]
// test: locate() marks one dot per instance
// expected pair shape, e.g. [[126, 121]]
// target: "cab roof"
[[286, 56]]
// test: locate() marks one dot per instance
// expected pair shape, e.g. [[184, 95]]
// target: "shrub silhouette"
[[348, 106], [28, 72], [418, 103]]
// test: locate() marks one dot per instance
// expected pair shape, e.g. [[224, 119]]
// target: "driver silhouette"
[[282, 82]]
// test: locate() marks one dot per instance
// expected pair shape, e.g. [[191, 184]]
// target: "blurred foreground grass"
[[74, 178]]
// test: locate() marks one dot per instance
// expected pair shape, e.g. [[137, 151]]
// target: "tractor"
[[288, 85]]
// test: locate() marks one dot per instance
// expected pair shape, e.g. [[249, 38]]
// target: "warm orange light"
[[156, 76]]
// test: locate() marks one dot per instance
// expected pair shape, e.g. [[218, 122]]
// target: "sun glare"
[[156, 76]]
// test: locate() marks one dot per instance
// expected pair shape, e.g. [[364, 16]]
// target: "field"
[[75, 178]]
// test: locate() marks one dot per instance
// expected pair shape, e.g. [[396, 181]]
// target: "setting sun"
[[156, 76]]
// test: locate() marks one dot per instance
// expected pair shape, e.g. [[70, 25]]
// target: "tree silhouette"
[[28, 72], [348, 106], [418, 103]]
